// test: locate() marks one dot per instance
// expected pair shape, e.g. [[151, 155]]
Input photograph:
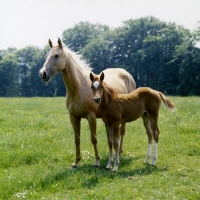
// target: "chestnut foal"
[[118, 108]]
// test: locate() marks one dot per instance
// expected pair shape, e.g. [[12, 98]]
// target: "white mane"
[[78, 59]]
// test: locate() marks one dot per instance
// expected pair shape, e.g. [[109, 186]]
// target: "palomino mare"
[[79, 100], [118, 108]]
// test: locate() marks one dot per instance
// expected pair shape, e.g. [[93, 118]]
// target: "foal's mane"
[[111, 91]]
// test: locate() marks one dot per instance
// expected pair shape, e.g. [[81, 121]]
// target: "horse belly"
[[131, 114], [129, 118]]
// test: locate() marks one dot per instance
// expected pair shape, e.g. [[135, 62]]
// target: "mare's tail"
[[168, 104]]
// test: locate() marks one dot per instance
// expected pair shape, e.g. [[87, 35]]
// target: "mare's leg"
[[122, 133], [147, 125], [110, 143], [116, 141], [92, 124], [156, 133], [76, 126]]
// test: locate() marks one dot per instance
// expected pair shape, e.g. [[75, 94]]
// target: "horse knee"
[[116, 145], [94, 141], [156, 136], [150, 137], [77, 141]]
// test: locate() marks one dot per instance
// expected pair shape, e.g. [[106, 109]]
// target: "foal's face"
[[55, 62], [97, 87], [97, 91]]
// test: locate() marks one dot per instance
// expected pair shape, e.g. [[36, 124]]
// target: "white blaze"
[[96, 84]]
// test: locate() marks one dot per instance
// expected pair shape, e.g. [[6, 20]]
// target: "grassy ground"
[[37, 150]]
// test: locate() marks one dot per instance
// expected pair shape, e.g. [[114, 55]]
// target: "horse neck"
[[108, 96], [73, 76]]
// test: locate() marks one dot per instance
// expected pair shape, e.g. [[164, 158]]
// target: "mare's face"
[[55, 62]]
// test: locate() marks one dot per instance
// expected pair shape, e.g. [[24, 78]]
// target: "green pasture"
[[37, 150]]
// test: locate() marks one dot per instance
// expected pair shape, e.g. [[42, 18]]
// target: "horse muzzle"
[[44, 76], [97, 100]]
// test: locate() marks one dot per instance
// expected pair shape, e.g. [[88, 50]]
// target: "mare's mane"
[[78, 59]]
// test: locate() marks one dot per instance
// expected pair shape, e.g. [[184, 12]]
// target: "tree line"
[[157, 54]]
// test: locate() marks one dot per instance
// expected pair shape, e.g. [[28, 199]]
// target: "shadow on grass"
[[88, 176]]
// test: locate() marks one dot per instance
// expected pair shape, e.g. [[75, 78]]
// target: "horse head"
[[54, 63], [97, 86]]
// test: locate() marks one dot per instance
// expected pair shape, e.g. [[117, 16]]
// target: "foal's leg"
[[122, 133], [147, 125], [110, 143], [76, 127], [116, 138], [92, 124], [156, 133]]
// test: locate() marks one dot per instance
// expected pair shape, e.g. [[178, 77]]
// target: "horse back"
[[120, 80], [140, 100]]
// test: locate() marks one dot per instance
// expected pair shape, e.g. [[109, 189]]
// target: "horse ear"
[[50, 43], [59, 43], [102, 76], [91, 76]]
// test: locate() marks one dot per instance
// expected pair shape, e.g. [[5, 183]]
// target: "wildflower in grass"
[[21, 195], [86, 155]]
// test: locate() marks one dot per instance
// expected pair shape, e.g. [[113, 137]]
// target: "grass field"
[[37, 150]]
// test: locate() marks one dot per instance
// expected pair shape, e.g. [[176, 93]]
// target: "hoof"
[[108, 168], [74, 166], [115, 168], [96, 166], [96, 163], [155, 166]]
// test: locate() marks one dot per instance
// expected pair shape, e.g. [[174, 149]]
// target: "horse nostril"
[[44, 74], [97, 100]]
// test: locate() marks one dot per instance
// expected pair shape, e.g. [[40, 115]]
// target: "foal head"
[[55, 61], [97, 86]]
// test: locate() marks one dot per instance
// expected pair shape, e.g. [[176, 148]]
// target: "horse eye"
[[56, 56]]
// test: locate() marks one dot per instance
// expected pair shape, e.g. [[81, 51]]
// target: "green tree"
[[145, 48], [158, 54], [26, 59], [9, 82], [98, 52], [78, 36], [188, 57]]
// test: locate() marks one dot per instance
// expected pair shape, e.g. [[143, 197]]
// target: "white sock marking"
[[155, 156]]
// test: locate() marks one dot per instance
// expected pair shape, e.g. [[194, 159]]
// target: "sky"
[[33, 22]]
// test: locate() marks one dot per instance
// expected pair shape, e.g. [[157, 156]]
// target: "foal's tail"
[[168, 104]]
